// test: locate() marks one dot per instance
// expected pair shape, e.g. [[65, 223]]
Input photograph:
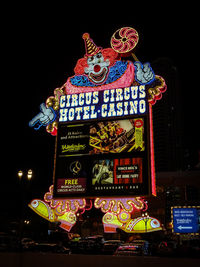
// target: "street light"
[[24, 188], [20, 174], [145, 217], [29, 174]]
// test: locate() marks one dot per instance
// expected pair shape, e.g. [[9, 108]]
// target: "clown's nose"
[[97, 68]]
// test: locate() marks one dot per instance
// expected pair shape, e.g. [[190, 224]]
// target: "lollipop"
[[124, 40]]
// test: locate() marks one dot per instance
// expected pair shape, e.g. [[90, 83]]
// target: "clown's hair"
[[108, 53]]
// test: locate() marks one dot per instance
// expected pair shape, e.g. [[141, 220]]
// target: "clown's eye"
[[99, 55], [90, 59]]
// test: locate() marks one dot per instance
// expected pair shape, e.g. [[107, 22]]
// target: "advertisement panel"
[[101, 137], [102, 158]]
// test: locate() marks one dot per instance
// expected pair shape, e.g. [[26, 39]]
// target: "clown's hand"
[[43, 118], [143, 73]]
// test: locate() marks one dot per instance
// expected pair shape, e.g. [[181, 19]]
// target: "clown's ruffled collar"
[[119, 75], [115, 72]]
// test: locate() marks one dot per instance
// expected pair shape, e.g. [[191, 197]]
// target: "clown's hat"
[[90, 47]]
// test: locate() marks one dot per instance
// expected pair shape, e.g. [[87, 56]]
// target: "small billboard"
[[186, 219]]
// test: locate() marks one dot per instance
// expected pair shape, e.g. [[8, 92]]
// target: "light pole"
[[29, 174], [23, 176], [145, 217]]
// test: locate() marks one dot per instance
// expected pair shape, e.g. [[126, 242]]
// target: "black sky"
[[40, 50]]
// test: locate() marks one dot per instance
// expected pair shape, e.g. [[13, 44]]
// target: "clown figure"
[[102, 69]]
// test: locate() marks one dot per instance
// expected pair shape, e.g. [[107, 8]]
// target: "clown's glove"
[[43, 118], [143, 73]]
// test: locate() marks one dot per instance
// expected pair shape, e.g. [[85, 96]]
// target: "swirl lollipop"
[[124, 40]]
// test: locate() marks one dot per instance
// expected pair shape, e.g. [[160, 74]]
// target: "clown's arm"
[[143, 73]]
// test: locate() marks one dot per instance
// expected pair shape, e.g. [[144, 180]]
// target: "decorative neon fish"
[[67, 220], [142, 225], [124, 222], [43, 209]]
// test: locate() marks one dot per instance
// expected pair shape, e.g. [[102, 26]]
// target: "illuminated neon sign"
[[113, 97], [102, 115], [103, 104], [127, 85], [118, 212]]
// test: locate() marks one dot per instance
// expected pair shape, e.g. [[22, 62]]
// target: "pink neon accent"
[[145, 205], [153, 176], [115, 205], [82, 211], [90, 207]]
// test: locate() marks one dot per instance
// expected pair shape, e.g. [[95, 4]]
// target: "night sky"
[[40, 50]]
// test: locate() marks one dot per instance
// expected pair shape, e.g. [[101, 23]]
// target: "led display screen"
[[102, 158], [101, 137]]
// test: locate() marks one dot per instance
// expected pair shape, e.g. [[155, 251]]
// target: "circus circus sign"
[[102, 120], [103, 115], [103, 104]]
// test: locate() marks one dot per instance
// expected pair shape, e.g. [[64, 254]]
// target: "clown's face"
[[97, 68]]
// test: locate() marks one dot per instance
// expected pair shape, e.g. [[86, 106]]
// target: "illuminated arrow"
[[184, 227]]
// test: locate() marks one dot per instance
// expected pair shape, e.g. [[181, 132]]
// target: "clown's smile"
[[98, 77], [97, 68]]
